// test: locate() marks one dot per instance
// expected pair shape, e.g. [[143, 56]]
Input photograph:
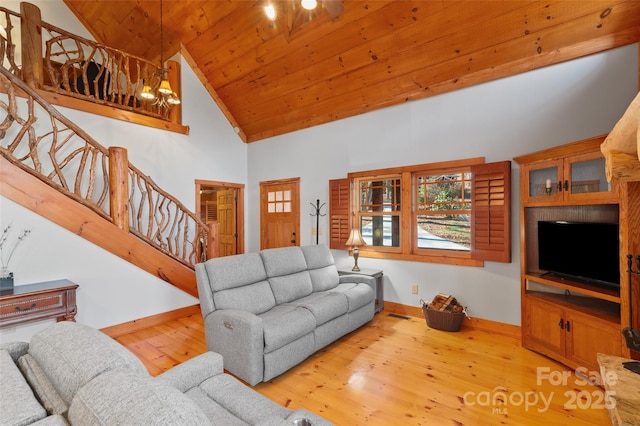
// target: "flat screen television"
[[584, 251]]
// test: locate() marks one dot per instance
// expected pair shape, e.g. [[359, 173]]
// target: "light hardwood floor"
[[397, 371]]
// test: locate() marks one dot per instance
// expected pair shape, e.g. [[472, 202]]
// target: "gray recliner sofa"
[[73, 374], [266, 312]]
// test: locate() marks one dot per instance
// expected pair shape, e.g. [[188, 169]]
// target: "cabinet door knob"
[[568, 326], [566, 185], [561, 323]]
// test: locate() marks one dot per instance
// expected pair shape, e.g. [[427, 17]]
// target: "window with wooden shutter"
[[491, 212], [339, 212], [455, 212]]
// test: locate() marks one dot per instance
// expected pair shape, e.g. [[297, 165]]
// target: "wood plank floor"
[[397, 371]]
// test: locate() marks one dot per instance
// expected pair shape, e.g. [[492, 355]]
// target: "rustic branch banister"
[[62, 155], [74, 66]]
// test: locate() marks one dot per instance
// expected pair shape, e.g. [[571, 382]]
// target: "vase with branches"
[[11, 249]]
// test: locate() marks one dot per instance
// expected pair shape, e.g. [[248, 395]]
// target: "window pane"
[[444, 231], [383, 230], [380, 195]]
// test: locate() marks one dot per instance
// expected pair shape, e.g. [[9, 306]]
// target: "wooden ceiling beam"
[[621, 148]]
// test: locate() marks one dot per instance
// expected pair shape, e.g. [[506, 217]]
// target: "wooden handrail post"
[[173, 74], [119, 187], [31, 33], [213, 247]]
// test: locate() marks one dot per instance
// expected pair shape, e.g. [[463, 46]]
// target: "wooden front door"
[[226, 214], [279, 213]]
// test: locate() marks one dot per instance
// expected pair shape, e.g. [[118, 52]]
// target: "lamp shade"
[[355, 238], [165, 87], [147, 93]]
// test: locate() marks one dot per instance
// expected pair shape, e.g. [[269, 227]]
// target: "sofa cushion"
[[286, 288], [324, 278], [235, 271], [358, 295], [324, 306], [15, 349], [54, 420], [124, 397], [284, 324], [41, 385], [223, 395], [255, 298], [18, 405], [71, 354], [283, 261], [317, 256], [323, 271]]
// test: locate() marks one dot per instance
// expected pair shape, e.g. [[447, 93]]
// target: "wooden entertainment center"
[[572, 320]]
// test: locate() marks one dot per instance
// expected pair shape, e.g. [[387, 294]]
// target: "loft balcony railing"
[[37, 138], [54, 60]]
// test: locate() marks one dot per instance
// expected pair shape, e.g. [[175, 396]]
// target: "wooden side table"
[[375, 273], [31, 302]]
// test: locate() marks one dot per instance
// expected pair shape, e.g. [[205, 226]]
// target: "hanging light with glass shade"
[[162, 95]]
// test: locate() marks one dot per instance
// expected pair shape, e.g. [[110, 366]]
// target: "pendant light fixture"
[[162, 95]]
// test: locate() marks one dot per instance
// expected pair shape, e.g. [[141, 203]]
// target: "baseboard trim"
[[151, 321], [495, 327]]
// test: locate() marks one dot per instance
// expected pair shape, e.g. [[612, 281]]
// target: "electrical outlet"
[[414, 289]]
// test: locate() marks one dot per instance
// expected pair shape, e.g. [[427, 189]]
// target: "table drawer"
[[57, 303]]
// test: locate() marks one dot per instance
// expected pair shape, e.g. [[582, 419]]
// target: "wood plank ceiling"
[[309, 68]]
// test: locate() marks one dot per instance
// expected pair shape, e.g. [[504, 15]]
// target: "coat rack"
[[317, 214]]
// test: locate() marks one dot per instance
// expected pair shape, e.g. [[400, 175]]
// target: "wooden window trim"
[[442, 165], [500, 252]]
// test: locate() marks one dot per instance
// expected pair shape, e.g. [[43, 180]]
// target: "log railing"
[[57, 61], [37, 138]]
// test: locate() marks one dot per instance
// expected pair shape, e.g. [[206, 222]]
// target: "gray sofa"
[[72, 374], [266, 312]]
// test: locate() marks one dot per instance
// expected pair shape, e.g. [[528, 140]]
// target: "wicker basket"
[[443, 320]]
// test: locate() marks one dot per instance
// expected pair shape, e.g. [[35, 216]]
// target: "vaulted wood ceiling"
[[309, 68]]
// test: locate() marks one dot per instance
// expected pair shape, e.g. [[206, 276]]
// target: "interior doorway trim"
[[200, 184]]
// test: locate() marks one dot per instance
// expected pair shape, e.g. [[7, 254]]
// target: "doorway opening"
[[222, 204]]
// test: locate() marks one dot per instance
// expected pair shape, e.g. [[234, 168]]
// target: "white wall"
[[111, 290], [497, 120]]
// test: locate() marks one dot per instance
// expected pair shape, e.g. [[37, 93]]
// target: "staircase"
[[52, 167]]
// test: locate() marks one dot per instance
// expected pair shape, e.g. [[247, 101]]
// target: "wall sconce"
[[355, 240]]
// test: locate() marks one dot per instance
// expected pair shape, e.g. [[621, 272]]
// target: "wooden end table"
[[32, 302]]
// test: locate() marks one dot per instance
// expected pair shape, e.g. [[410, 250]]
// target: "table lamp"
[[355, 240]]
